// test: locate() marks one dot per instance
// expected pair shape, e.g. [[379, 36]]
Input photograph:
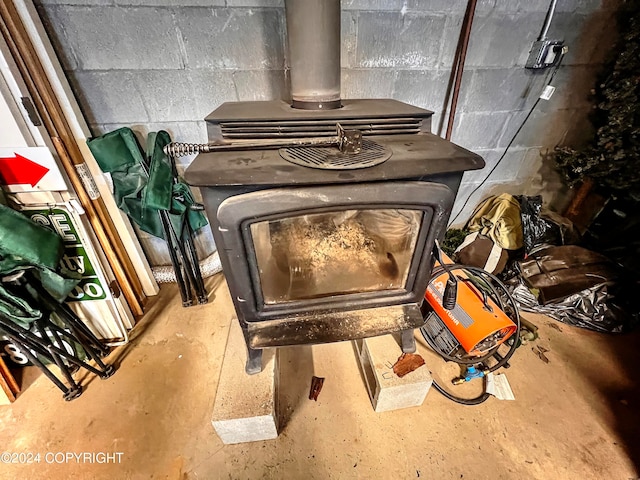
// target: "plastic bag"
[[594, 308], [542, 227], [537, 231]]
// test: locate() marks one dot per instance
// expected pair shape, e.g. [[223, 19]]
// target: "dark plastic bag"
[[537, 230], [543, 227]]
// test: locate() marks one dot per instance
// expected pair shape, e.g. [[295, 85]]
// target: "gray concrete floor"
[[575, 417]]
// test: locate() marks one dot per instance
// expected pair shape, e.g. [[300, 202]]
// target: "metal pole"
[[471, 10]]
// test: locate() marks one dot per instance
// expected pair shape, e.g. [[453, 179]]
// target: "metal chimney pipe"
[[313, 30]]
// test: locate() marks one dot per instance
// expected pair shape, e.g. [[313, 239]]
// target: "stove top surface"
[[412, 157]]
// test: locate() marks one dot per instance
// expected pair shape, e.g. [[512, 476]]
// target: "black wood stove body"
[[322, 246]]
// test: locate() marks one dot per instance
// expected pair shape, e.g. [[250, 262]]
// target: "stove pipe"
[[313, 30]]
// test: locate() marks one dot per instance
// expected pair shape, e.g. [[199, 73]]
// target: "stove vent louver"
[[266, 129]]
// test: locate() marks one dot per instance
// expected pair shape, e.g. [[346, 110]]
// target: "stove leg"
[[408, 341], [254, 361]]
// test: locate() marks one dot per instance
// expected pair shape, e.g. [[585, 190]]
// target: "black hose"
[[465, 401], [460, 361]]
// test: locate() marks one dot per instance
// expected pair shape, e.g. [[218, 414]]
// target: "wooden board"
[[8, 383]]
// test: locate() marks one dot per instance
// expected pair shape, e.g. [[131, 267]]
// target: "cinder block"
[[233, 38], [182, 95], [584, 6], [449, 40], [548, 129], [261, 85], [105, 38], [167, 94], [573, 87], [454, 7], [589, 36], [479, 130], [172, 3], [444, 6], [370, 83], [394, 40], [56, 34], [502, 40], [521, 6], [74, 2], [500, 89], [390, 5], [532, 164], [255, 3], [387, 391], [244, 409], [190, 132], [348, 38], [423, 88], [507, 171], [210, 90], [108, 97]]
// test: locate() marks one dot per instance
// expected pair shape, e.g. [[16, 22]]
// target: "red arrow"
[[19, 170]]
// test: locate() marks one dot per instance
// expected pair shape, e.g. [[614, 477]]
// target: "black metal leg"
[[33, 359], [166, 226], [189, 274], [187, 236], [36, 343], [67, 316], [187, 277], [254, 355], [105, 371], [408, 341], [79, 328], [254, 361], [75, 390]]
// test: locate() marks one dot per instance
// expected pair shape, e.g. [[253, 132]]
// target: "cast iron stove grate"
[[329, 158]]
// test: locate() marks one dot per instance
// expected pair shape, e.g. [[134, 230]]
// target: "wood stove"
[[318, 245]]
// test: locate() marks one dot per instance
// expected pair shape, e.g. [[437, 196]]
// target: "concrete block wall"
[[165, 64]]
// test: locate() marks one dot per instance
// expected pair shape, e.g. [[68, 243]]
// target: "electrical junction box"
[[544, 53]]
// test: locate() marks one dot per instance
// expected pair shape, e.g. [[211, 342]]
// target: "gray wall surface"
[[166, 64]]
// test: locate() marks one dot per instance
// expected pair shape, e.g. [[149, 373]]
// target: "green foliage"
[[453, 239], [612, 159]]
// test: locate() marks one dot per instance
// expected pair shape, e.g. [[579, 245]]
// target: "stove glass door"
[[326, 254]]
